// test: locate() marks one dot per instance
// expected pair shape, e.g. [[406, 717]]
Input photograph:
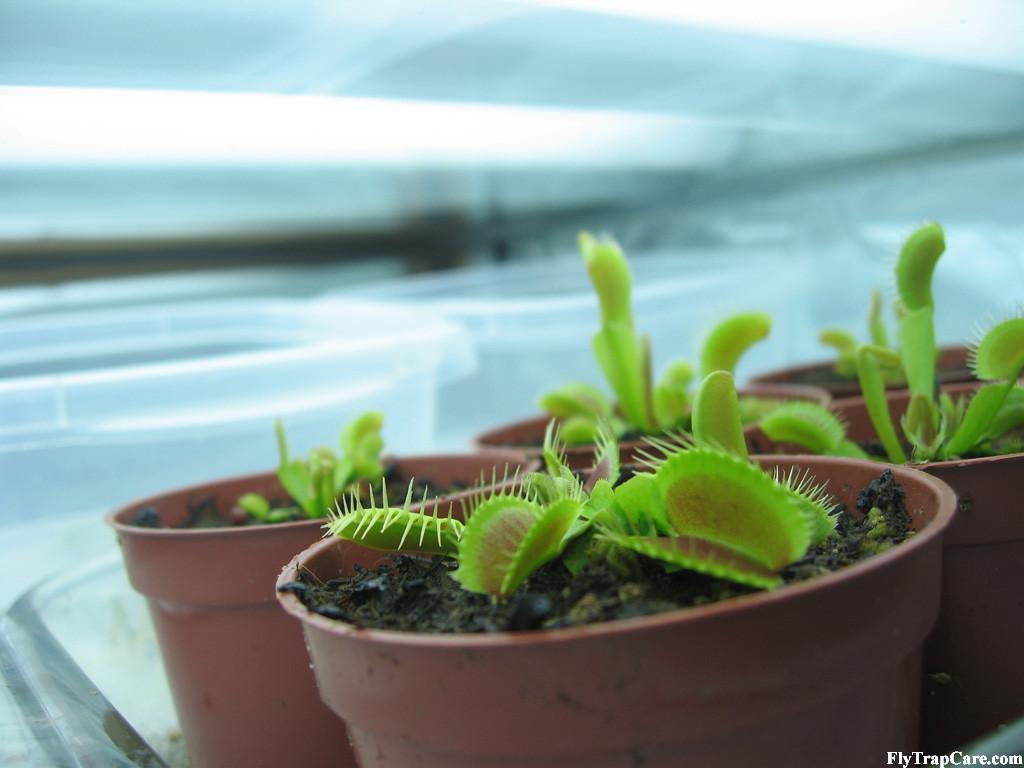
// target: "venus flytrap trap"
[[624, 356], [811, 426], [703, 506], [316, 482]]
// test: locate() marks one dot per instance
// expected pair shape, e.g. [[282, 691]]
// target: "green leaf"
[[701, 555], [1010, 415], [672, 395], [815, 503], [297, 480], [620, 357], [255, 505], [876, 324], [362, 443], [543, 542], [508, 537], [846, 349], [579, 430], [282, 442], [396, 529], [716, 414], [730, 339], [872, 387], [639, 508], [918, 350], [999, 356], [609, 272], [915, 266], [978, 419], [577, 400], [722, 498], [809, 425], [923, 427], [606, 456]]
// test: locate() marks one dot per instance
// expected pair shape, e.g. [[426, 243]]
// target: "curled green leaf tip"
[[917, 261]]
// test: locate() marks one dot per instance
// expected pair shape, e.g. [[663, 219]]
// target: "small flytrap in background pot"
[[642, 405], [205, 557], [737, 680]]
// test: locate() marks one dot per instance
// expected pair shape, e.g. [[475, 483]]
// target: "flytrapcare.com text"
[[907, 759]]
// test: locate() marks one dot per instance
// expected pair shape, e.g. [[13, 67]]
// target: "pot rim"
[[934, 530], [115, 519]]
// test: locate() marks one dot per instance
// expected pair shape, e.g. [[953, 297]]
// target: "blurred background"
[[214, 213]]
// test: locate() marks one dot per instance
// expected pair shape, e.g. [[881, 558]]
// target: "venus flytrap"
[[939, 428], [316, 482], [624, 357]]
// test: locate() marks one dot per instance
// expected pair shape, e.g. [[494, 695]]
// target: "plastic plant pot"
[[973, 656], [952, 368], [826, 672], [237, 669], [527, 435]]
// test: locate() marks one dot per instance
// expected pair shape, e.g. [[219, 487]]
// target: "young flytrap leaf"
[[716, 415], [845, 346], [877, 331], [672, 395], [577, 400], [618, 350], [730, 339]]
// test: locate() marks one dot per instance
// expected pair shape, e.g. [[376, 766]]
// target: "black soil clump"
[[206, 512], [419, 595]]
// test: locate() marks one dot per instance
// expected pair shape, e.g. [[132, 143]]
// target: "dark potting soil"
[[206, 512], [418, 594]]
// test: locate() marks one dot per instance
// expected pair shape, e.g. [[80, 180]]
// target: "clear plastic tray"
[[83, 677]]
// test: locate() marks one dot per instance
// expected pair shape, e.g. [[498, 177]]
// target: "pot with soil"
[[238, 671], [734, 682], [571, 623], [973, 658], [951, 368]]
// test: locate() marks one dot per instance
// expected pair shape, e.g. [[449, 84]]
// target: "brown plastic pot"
[[952, 369], [237, 668], [979, 639], [826, 672], [527, 435]]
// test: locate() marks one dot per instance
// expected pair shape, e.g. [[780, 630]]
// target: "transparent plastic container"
[[83, 677], [532, 323], [99, 408]]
